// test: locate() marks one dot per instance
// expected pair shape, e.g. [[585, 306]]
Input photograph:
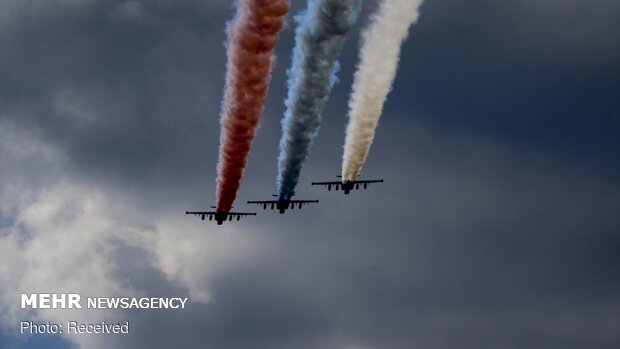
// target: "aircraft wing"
[[347, 186], [275, 202], [208, 213], [368, 181], [241, 214], [361, 181], [327, 183], [282, 205], [337, 184], [268, 202], [213, 213]]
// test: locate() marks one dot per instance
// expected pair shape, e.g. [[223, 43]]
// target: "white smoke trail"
[[378, 61]]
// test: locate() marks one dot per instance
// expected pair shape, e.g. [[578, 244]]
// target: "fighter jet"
[[220, 217], [282, 204], [347, 186]]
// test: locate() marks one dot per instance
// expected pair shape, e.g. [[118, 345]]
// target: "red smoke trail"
[[252, 36]]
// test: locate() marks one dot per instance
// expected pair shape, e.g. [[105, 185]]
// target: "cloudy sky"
[[497, 225]]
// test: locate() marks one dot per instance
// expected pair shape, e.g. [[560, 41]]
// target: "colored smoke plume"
[[252, 37], [378, 62], [319, 37]]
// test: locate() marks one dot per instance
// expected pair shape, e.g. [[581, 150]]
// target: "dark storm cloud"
[[496, 226], [117, 93], [536, 74]]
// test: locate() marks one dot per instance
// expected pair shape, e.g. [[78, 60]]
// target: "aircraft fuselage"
[[347, 186], [282, 204], [220, 217]]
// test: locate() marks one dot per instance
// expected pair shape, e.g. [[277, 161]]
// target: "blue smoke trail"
[[319, 37]]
